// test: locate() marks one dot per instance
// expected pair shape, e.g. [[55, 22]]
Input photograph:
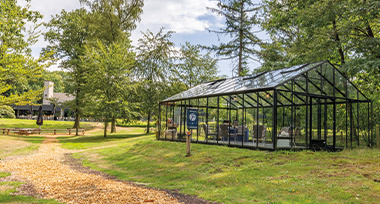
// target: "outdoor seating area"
[[34, 131], [301, 107]]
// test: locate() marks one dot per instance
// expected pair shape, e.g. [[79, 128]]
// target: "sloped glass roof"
[[258, 81]]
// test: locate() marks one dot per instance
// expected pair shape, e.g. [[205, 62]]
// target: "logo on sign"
[[192, 118]]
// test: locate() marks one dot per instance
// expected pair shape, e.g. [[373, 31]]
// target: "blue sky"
[[188, 18]]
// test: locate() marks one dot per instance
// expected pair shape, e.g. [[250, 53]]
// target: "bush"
[[7, 112], [136, 123]]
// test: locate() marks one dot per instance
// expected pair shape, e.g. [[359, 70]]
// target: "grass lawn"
[[48, 124], [233, 175]]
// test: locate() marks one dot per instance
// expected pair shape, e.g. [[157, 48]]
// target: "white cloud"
[[181, 16]]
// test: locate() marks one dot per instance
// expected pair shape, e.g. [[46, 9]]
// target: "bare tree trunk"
[[113, 125], [241, 39], [337, 39], [76, 123], [148, 124], [105, 126]]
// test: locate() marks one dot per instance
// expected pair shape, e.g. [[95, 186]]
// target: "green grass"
[[48, 124], [232, 175], [9, 187]]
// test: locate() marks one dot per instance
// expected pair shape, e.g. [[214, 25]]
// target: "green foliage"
[[155, 62], [7, 112], [195, 68], [67, 34], [113, 19], [17, 66], [240, 17], [344, 32], [134, 123], [110, 67]]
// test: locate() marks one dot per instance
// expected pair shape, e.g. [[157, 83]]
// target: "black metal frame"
[[285, 96]]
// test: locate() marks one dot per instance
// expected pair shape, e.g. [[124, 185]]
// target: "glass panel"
[[251, 82], [340, 84], [341, 126], [352, 91], [327, 75]]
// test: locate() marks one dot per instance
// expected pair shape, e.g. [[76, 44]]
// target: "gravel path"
[[51, 178]]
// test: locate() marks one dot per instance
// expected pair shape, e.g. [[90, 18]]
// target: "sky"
[[189, 19]]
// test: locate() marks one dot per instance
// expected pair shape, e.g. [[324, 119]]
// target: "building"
[[310, 106], [27, 111]]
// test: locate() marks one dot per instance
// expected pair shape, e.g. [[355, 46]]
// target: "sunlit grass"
[[232, 175], [48, 124]]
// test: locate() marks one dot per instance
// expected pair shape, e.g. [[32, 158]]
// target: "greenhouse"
[[310, 106]]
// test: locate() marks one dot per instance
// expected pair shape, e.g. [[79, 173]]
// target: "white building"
[[49, 93]]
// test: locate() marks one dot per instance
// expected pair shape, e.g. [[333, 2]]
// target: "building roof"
[[62, 97], [277, 79]]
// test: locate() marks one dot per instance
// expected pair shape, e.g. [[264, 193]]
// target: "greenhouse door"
[[318, 126]]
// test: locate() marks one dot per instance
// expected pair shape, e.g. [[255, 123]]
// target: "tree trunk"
[[241, 39], [148, 124], [76, 123], [105, 126], [337, 39], [113, 125]]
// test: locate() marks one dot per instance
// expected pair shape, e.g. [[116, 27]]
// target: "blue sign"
[[192, 119]]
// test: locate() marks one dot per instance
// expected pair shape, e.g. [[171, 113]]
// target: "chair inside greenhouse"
[[309, 106]]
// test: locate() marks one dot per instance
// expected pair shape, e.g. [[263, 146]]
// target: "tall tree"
[[346, 33], [17, 66], [67, 35], [112, 21], [240, 17], [304, 33], [155, 62], [194, 67], [110, 68]]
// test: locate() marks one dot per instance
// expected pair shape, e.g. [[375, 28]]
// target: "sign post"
[[188, 142], [192, 123]]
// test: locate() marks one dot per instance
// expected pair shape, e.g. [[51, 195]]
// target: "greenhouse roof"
[[262, 81]]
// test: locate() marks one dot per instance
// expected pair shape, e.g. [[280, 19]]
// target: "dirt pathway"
[[52, 178]]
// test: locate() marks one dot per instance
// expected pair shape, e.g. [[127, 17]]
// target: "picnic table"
[[28, 131]]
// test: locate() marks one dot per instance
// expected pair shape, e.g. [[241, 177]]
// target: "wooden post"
[[188, 142], [377, 136]]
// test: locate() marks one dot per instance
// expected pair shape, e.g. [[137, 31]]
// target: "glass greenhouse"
[[310, 106]]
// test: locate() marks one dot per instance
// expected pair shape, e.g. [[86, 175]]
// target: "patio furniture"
[[287, 136], [171, 131], [208, 133], [261, 134], [242, 133], [224, 131]]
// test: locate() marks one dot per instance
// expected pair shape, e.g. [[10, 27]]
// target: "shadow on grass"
[[99, 138], [31, 139]]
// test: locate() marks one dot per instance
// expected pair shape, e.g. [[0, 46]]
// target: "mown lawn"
[[48, 124], [232, 175]]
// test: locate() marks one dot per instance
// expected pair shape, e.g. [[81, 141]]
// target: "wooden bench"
[[70, 130], [74, 130], [6, 130], [28, 131]]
